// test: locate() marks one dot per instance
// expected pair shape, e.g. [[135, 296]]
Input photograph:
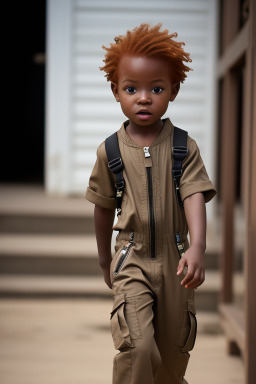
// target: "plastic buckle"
[[120, 185], [177, 173], [179, 152], [116, 165]]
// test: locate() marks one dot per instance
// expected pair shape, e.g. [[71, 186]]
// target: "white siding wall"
[[81, 110]]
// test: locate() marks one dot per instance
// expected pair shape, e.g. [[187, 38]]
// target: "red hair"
[[147, 41]]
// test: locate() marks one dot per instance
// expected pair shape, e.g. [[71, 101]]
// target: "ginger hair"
[[147, 41]]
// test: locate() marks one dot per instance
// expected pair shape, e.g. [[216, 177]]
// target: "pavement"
[[68, 341]]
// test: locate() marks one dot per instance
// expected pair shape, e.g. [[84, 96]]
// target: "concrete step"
[[65, 254], [53, 286], [50, 223], [208, 323], [30, 210], [30, 286], [212, 257], [49, 255]]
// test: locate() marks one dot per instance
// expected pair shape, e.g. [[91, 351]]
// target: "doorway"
[[22, 143]]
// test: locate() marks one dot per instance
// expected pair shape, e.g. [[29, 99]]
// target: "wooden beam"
[[233, 324], [250, 366], [228, 179], [249, 127], [234, 52], [230, 21]]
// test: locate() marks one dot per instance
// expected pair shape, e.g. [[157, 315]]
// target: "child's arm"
[[195, 212], [103, 222]]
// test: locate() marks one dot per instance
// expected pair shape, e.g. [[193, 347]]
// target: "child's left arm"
[[195, 212]]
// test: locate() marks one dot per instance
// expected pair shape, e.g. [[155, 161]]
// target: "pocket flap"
[[192, 333], [188, 331], [118, 300], [192, 306]]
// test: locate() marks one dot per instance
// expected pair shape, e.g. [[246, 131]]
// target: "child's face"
[[144, 89]]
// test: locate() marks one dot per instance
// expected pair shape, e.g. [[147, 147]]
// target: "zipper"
[[151, 203], [124, 254], [179, 244], [181, 250]]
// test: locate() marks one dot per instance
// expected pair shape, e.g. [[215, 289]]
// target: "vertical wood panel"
[[250, 365], [230, 21], [228, 148]]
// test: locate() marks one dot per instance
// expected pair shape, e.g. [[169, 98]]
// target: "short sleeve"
[[101, 189], [194, 178]]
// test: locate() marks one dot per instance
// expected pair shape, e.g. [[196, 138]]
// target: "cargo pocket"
[[188, 331], [119, 328]]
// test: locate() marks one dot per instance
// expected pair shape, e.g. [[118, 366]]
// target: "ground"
[[68, 341]]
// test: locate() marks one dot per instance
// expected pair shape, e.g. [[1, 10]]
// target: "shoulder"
[[193, 152], [101, 152], [192, 144]]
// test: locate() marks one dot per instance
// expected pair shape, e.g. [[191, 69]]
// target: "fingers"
[[194, 278], [181, 265]]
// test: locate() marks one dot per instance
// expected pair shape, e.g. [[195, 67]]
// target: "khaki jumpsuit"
[[153, 318]]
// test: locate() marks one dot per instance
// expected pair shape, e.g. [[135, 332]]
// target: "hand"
[[194, 259]]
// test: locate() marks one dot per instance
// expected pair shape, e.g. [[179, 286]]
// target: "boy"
[[153, 319]]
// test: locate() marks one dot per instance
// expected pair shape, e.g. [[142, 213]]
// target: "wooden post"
[[231, 21], [250, 265], [228, 149]]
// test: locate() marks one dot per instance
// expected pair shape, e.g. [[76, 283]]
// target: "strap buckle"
[[120, 185], [116, 165], [179, 152], [177, 189], [177, 173]]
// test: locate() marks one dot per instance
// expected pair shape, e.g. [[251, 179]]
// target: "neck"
[[149, 130], [144, 136]]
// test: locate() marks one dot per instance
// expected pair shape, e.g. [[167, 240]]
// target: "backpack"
[[115, 164]]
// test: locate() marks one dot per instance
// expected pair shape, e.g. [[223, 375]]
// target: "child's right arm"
[[103, 222]]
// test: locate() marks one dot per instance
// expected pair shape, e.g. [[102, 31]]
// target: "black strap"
[[115, 163], [179, 152], [116, 166]]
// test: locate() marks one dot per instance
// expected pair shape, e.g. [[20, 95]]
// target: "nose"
[[144, 98]]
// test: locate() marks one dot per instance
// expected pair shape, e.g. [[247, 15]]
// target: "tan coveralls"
[[153, 319]]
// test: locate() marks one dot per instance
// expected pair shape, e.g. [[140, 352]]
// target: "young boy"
[[153, 319]]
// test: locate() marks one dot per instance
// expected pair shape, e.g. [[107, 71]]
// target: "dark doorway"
[[23, 132]]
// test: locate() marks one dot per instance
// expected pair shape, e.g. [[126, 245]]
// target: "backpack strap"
[[115, 163], [116, 166], [179, 152]]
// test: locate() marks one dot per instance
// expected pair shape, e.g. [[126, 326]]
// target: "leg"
[[175, 324], [133, 334]]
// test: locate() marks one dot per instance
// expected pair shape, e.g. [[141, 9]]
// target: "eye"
[[130, 89], [157, 90]]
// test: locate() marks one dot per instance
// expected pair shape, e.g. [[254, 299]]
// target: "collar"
[[165, 132]]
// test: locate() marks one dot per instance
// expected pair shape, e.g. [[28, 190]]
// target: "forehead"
[[143, 68]]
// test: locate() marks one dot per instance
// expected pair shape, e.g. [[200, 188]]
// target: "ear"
[[175, 90], [114, 88]]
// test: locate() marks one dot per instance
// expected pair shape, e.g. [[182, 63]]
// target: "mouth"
[[143, 113]]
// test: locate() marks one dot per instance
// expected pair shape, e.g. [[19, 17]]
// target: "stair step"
[[213, 250], [45, 223], [87, 286], [53, 254], [47, 245], [45, 254], [53, 286], [33, 199], [208, 323], [28, 209]]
